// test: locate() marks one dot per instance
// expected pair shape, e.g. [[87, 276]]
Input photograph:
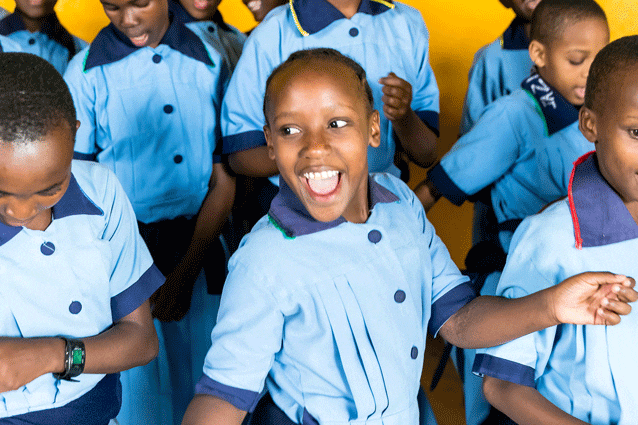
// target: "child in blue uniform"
[[149, 90], [522, 140], [203, 18], [331, 295], [391, 42], [499, 67], [35, 26], [572, 374], [76, 275]]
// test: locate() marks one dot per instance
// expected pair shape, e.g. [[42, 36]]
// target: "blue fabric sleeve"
[[505, 370], [487, 152], [134, 296], [242, 117], [480, 91], [446, 186], [242, 399], [425, 91]]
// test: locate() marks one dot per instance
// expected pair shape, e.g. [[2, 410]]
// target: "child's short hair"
[[551, 16], [33, 98], [325, 54], [616, 56]]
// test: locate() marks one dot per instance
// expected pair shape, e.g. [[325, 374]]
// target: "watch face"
[[77, 356]]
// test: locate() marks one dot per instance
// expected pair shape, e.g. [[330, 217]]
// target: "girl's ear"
[[271, 149], [587, 124], [538, 52], [375, 129]]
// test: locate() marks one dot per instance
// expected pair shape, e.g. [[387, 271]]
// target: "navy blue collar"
[[291, 217], [51, 27], [181, 15], [312, 16], [73, 202], [514, 37], [599, 215], [111, 45], [558, 113]]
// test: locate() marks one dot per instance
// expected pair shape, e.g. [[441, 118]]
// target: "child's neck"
[[32, 25], [347, 7]]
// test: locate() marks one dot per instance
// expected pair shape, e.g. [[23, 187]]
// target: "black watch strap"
[[75, 357]]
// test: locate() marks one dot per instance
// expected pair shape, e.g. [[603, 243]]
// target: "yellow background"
[[458, 28]]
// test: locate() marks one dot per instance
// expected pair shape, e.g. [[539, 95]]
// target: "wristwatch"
[[75, 357]]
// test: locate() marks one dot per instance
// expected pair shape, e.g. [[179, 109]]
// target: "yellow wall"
[[457, 29]]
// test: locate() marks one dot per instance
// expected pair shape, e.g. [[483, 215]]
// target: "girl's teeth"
[[254, 5], [322, 175]]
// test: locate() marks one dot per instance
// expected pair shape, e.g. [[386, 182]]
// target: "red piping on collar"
[[570, 195]]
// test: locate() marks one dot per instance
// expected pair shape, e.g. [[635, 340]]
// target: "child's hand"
[[397, 97], [597, 298], [24, 359], [172, 300]]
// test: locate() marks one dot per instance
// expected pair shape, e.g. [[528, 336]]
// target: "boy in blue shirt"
[[572, 374], [523, 143], [331, 295], [35, 26], [76, 275], [391, 42], [149, 90], [203, 18]]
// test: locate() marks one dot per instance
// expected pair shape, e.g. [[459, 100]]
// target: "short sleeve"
[[480, 92], [133, 277], [524, 359], [242, 117], [480, 157], [248, 333], [83, 91], [425, 91]]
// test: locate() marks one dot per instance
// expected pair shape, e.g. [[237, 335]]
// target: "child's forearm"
[[584, 299], [209, 410], [253, 163], [524, 405], [128, 343], [417, 140]]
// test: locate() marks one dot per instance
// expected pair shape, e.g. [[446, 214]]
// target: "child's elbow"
[[493, 390], [150, 349]]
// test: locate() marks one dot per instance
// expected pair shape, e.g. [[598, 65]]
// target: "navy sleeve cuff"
[[431, 119], [505, 370], [243, 141], [446, 186], [242, 399], [85, 156], [134, 296], [449, 304]]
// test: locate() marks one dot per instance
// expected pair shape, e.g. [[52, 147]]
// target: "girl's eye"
[[337, 124], [634, 132], [289, 131]]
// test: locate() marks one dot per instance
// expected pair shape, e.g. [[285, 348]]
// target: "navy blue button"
[[157, 58], [178, 159], [47, 248], [211, 28], [32, 41], [414, 353], [353, 32], [399, 296], [75, 307], [168, 109], [374, 236]]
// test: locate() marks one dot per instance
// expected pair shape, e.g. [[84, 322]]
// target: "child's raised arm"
[[597, 298], [208, 410], [523, 404]]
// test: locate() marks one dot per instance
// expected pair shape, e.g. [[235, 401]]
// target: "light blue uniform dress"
[[332, 318], [151, 115], [589, 372], [87, 270], [526, 143], [52, 43], [382, 37], [8, 45], [226, 39]]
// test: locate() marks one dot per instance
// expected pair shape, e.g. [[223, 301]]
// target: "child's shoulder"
[[96, 182]]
